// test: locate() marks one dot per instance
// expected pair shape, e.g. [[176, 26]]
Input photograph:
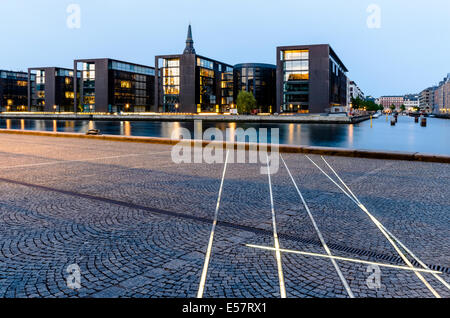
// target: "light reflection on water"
[[405, 136]]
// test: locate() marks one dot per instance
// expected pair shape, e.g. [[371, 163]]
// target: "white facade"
[[353, 91]]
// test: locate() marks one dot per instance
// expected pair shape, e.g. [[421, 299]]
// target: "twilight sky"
[[409, 52]]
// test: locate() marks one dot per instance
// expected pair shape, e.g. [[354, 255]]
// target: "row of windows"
[[13, 75], [204, 63], [296, 66], [119, 66], [296, 76], [171, 81], [171, 63], [295, 55], [206, 73], [174, 71]]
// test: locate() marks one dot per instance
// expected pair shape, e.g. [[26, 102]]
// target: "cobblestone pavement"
[[138, 225]]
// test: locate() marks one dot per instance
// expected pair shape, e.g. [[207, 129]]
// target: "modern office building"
[[310, 79], [53, 89], [13, 91], [191, 83], [108, 86], [258, 79]]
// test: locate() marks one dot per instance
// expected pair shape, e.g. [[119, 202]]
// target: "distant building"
[[411, 102], [388, 101], [310, 79], [441, 98], [52, 91], [426, 99], [191, 83], [108, 85], [13, 91], [354, 91], [260, 80]]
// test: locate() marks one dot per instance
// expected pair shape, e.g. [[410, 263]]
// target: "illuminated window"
[[125, 84], [296, 55], [68, 80], [21, 83], [69, 95]]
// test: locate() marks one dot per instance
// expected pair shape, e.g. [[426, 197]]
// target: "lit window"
[[125, 84]]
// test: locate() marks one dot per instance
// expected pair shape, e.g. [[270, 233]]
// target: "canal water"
[[405, 136]]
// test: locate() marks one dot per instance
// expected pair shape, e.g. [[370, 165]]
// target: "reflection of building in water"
[[39, 124], [232, 132], [198, 129], [127, 128], [350, 135], [291, 134]]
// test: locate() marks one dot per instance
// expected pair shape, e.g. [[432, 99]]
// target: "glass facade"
[[131, 68], [207, 94], [215, 86], [13, 91], [260, 80], [338, 84], [227, 87], [110, 86], [88, 87], [295, 81], [171, 84], [38, 92]]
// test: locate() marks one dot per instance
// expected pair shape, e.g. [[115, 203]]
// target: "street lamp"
[[176, 108], [54, 108]]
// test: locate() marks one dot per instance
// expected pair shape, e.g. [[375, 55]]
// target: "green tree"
[[357, 103], [392, 107], [402, 108], [245, 102]]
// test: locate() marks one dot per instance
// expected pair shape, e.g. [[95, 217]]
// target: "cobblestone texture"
[[138, 225]]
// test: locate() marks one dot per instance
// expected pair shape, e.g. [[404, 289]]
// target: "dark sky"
[[410, 50]]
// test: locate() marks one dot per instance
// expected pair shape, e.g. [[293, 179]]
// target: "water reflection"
[[405, 136]]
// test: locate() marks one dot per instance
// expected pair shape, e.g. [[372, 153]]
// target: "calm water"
[[405, 136]]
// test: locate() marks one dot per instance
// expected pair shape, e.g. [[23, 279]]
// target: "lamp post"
[[176, 107], [54, 108]]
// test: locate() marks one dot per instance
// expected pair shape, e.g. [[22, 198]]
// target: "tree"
[[245, 102], [392, 107], [402, 108]]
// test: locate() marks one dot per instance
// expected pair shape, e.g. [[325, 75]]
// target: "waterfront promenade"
[[139, 225], [312, 118]]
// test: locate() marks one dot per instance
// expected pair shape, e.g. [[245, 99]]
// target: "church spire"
[[189, 42]]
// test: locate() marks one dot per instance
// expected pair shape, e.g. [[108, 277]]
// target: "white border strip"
[[275, 237], [322, 240], [346, 259], [201, 287], [378, 224]]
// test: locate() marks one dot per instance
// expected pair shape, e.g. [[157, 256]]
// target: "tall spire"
[[189, 42]]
